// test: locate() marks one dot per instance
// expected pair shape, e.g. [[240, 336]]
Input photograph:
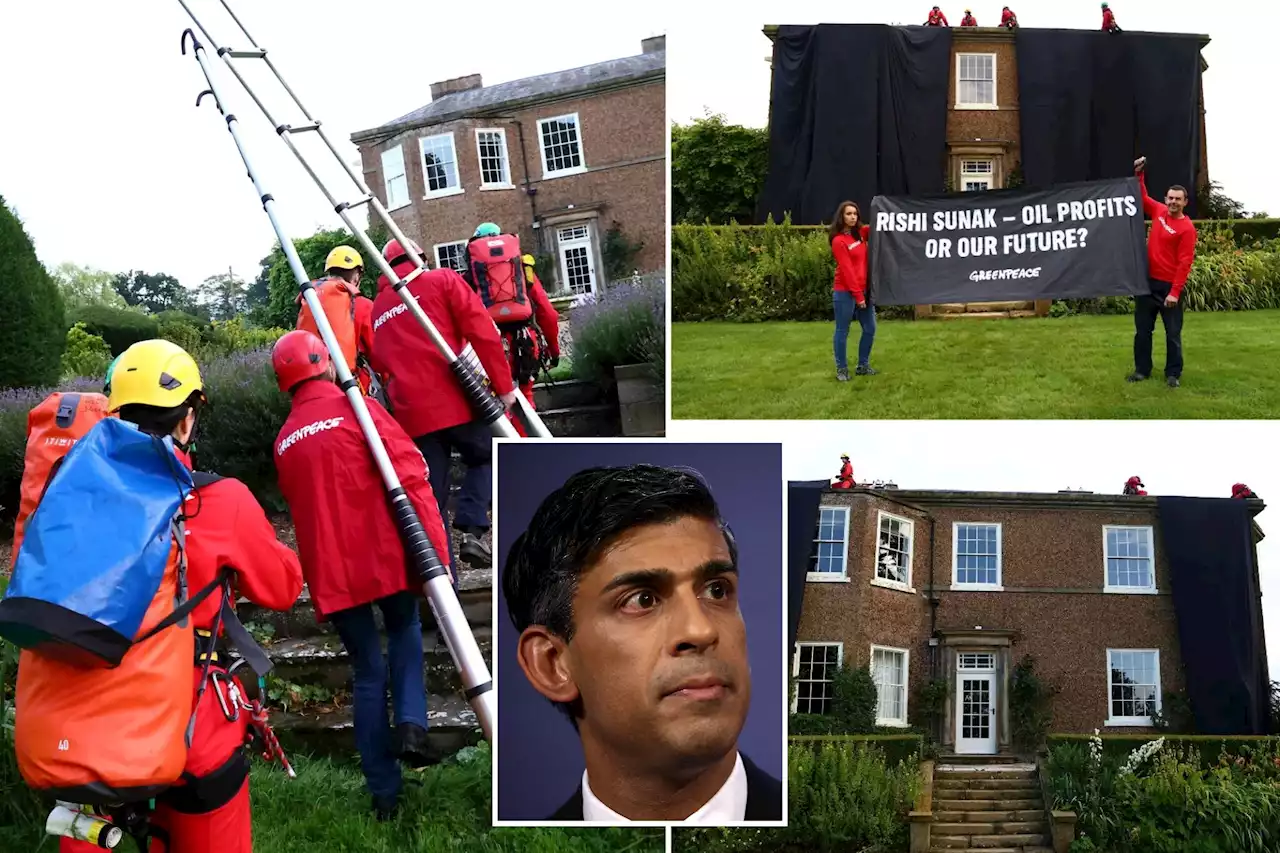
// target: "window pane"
[[493, 157], [440, 166], [561, 150]]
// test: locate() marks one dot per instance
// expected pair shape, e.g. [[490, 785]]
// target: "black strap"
[[182, 610], [205, 478], [203, 794], [239, 638]]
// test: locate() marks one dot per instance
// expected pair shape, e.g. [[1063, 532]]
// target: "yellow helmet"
[[153, 373], [343, 258]]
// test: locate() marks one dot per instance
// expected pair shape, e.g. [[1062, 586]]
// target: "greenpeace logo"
[[1001, 275], [1167, 227], [399, 309], [306, 432], [60, 442]]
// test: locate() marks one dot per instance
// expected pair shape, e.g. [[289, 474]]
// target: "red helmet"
[[393, 252], [1133, 481], [1239, 488], [297, 357]]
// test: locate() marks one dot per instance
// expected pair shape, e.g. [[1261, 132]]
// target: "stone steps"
[[1016, 789], [600, 420], [989, 842], [988, 816], [986, 315], [988, 805], [1032, 849], [451, 725], [948, 804]]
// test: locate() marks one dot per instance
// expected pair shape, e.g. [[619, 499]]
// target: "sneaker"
[[412, 746], [475, 552], [866, 370], [842, 374], [1136, 377], [1172, 382]]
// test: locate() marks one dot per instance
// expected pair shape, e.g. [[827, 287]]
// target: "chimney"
[[457, 84], [656, 44]]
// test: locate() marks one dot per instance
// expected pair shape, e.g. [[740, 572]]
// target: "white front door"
[[975, 713], [977, 175], [577, 263]]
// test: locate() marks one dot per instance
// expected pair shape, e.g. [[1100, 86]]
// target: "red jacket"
[[228, 528], [424, 393], [348, 540], [846, 472], [545, 315], [1108, 19], [969, 21], [1006, 16], [937, 19], [1171, 248], [851, 263]]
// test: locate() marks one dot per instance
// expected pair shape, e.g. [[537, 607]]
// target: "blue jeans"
[[408, 691], [846, 309], [474, 443]]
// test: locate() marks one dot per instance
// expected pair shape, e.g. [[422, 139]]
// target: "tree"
[[1213, 203], [282, 305], [154, 292], [86, 286], [717, 170], [32, 321], [224, 295]]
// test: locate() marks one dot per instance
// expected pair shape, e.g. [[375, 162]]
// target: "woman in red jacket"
[[849, 291]]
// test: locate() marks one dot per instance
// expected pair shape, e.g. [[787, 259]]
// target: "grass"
[[443, 808], [1065, 368]]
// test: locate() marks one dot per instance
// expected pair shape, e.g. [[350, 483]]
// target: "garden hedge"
[[896, 747], [120, 328], [32, 326], [1210, 747], [782, 272]]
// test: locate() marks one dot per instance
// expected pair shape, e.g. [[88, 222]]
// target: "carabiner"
[[232, 713]]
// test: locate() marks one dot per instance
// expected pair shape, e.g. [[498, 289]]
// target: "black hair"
[[160, 420], [1181, 189], [578, 522], [344, 274]]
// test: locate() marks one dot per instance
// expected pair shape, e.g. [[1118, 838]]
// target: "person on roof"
[[353, 555], [1008, 20], [157, 386], [936, 18], [1133, 486], [1243, 492], [1109, 24], [845, 479], [968, 20], [349, 313], [426, 398]]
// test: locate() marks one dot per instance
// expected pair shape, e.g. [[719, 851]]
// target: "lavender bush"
[[626, 325]]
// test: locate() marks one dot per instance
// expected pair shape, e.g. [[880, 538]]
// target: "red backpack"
[[497, 274]]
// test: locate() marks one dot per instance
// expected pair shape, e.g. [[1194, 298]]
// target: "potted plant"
[[619, 342]]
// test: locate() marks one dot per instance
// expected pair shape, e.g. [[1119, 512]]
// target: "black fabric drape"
[[804, 499], [856, 110], [1092, 102], [1208, 544]]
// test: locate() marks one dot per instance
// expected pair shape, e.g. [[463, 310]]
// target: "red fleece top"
[[851, 263], [969, 21], [1108, 19], [1172, 245]]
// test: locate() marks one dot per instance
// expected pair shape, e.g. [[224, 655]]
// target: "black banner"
[[1071, 242], [804, 503]]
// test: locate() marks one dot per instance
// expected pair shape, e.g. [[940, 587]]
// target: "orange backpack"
[[338, 300], [53, 428], [497, 274]]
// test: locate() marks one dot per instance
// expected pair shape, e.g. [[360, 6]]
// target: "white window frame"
[[995, 78], [587, 242], [1106, 573], [1133, 721], [876, 580], [987, 179], [506, 160], [457, 171], [542, 147], [435, 251], [832, 577], [998, 586], [795, 668], [406, 199], [906, 685]]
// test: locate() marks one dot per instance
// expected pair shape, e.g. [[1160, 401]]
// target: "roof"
[[503, 97], [1024, 500]]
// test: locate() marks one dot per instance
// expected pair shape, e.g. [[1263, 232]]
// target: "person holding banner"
[[1171, 249], [849, 291]]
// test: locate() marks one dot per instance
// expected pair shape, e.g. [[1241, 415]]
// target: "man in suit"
[[624, 589]]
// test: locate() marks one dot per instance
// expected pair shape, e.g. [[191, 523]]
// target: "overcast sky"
[[1188, 458], [107, 161], [730, 65]]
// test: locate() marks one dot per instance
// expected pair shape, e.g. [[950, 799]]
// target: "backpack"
[[338, 300], [497, 274], [99, 584]]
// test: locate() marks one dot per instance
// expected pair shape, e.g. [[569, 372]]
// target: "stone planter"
[[641, 400]]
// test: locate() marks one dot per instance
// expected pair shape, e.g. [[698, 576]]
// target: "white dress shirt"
[[729, 805]]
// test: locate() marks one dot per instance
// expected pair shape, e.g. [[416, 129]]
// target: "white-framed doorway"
[[577, 259], [977, 174], [976, 703]]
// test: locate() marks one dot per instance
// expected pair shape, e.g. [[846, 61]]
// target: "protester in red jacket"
[[1134, 486], [209, 810], [1008, 20], [968, 20], [352, 554], [845, 480], [1241, 491], [936, 18], [425, 395], [1171, 249], [849, 291], [523, 347], [1109, 24]]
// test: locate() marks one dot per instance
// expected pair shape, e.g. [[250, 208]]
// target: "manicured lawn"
[[444, 808], [1030, 368]]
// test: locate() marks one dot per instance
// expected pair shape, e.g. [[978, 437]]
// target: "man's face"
[[659, 652], [1175, 200]]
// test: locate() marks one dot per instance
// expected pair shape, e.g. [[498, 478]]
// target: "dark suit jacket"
[[764, 797]]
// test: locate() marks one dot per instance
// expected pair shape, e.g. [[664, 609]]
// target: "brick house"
[[556, 158], [959, 586]]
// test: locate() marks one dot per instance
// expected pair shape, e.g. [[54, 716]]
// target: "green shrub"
[[626, 325], [120, 328], [20, 807], [897, 746], [85, 354], [32, 323], [844, 795], [1210, 747], [1030, 705]]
